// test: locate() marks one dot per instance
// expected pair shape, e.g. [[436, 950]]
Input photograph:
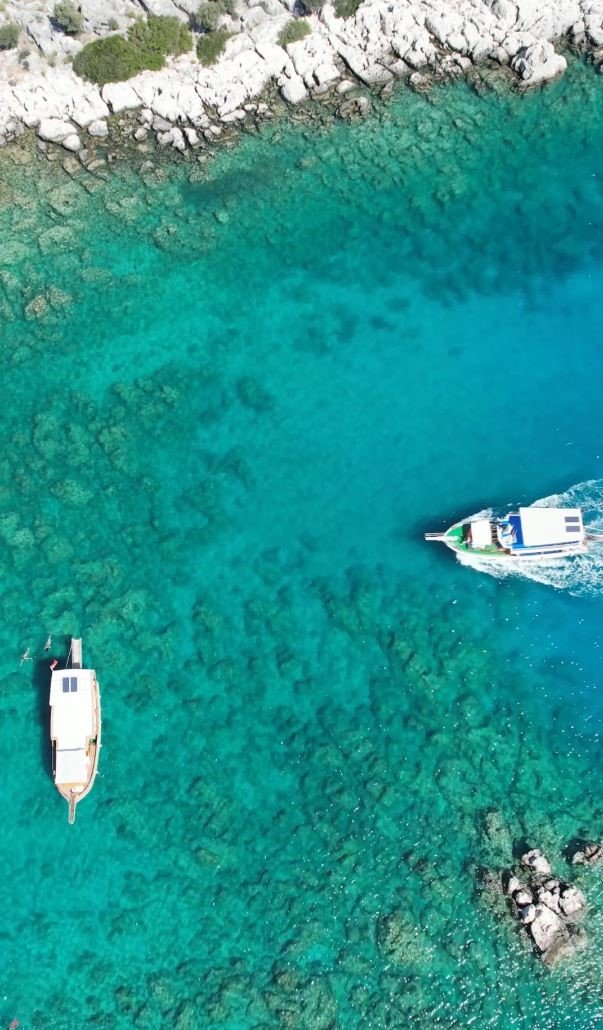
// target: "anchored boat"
[[75, 727], [529, 533]]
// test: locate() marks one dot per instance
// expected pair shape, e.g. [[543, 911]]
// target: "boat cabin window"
[[65, 684], [69, 683], [73, 684]]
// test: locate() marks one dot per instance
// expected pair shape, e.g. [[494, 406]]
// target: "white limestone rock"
[[72, 142], [593, 25], [276, 59], [188, 6], [274, 7], [546, 928], [253, 17], [88, 108], [313, 61], [121, 96], [527, 914], [106, 16], [505, 12], [591, 853], [550, 899], [572, 902], [536, 861], [191, 136], [369, 72], [164, 7], [447, 27], [165, 105], [99, 129], [53, 130], [178, 140], [538, 63], [513, 886], [293, 89]]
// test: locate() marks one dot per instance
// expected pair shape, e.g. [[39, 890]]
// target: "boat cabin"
[[541, 531], [72, 725]]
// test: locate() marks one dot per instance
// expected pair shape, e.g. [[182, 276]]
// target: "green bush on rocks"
[[206, 17], [346, 8], [112, 59], [9, 35], [160, 35], [116, 58], [208, 14], [293, 31], [211, 45], [68, 18]]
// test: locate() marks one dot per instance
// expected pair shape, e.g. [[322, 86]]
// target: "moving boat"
[[75, 727], [523, 535]]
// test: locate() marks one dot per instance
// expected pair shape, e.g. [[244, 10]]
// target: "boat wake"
[[581, 574]]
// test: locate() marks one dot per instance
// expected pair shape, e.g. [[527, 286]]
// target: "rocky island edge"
[[187, 103]]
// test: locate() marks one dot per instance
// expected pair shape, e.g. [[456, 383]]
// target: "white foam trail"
[[580, 575]]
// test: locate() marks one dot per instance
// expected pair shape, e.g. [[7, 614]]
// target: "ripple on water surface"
[[230, 408]]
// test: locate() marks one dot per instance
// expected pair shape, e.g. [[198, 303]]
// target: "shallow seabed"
[[230, 407]]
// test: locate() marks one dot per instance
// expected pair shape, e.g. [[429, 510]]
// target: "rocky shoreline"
[[187, 105]]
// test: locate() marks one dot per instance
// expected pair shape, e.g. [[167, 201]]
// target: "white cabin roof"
[[71, 766], [541, 526], [72, 708], [481, 533]]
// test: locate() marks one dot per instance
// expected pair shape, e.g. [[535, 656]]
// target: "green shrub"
[[115, 58], [111, 59], [310, 6], [68, 18], [293, 31], [160, 35], [346, 8], [9, 35], [207, 16], [211, 45]]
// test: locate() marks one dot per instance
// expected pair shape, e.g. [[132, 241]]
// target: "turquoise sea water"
[[233, 399]]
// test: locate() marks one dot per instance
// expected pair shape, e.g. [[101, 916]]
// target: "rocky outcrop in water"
[[382, 41], [588, 853], [548, 909]]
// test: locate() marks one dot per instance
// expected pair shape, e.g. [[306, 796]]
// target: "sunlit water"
[[232, 403]]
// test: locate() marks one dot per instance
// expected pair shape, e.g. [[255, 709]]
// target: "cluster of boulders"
[[548, 909], [382, 41]]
